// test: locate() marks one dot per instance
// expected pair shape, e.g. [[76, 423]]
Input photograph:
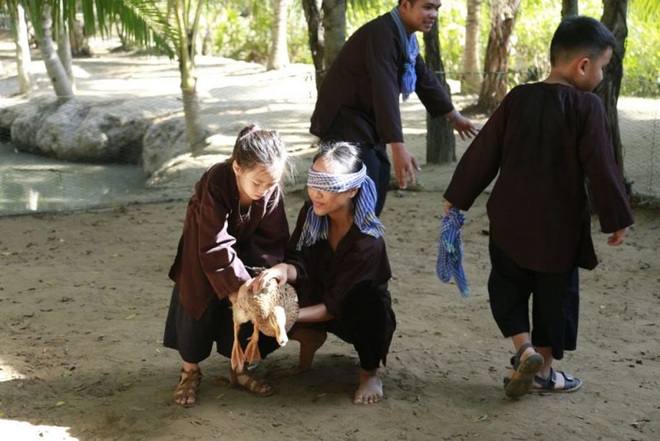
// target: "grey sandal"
[[571, 384], [524, 372]]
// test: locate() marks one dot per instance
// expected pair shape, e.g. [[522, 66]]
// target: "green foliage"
[[641, 65], [244, 32], [143, 20], [537, 20], [237, 35], [529, 57], [359, 14], [451, 23]]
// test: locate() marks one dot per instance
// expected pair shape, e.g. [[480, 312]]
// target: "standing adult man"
[[359, 98]]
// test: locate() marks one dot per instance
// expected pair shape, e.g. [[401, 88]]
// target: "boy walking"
[[545, 140]]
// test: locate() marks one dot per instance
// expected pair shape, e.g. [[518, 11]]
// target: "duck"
[[273, 310]]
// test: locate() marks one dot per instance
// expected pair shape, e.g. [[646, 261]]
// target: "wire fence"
[[284, 102], [640, 135]]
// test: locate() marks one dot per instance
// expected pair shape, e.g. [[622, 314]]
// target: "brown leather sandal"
[[187, 387], [253, 384]]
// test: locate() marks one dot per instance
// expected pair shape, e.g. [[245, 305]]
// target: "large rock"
[[105, 132], [8, 113], [164, 141], [80, 131]]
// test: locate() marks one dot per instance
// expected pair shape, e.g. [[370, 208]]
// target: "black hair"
[[340, 156], [258, 147], [580, 35]]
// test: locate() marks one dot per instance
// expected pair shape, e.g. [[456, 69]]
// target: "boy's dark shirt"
[[217, 241], [325, 276], [359, 96], [544, 140]]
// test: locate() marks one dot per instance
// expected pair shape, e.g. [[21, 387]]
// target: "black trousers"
[[367, 321], [555, 303], [194, 338], [378, 169]]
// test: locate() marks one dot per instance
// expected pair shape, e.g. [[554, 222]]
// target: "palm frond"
[[142, 20]]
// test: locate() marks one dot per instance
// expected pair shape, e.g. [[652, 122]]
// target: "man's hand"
[[404, 164], [462, 125], [465, 128]]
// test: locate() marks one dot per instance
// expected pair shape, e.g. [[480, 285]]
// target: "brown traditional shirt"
[[219, 240], [359, 96], [545, 140], [326, 275]]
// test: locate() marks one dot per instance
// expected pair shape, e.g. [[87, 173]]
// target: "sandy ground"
[[83, 299]]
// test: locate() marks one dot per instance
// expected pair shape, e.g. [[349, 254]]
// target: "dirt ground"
[[83, 299]]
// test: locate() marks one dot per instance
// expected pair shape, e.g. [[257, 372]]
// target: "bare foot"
[[370, 390], [310, 342]]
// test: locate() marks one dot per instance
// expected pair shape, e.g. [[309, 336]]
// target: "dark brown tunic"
[[359, 95], [326, 276], [544, 140], [218, 241]]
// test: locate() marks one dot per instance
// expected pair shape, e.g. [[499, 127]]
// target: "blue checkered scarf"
[[411, 50], [450, 251], [315, 228]]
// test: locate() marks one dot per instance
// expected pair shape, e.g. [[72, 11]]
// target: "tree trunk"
[[440, 139], [279, 54], [569, 8], [494, 86], [79, 42], [26, 82], [334, 27], [194, 131], [614, 17], [471, 78], [315, 37], [54, 68], [187, 31], [64, 49]]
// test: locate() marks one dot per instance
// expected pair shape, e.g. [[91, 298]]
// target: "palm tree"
[[471, 78], [64, 45], [326, 30], [615, 18], [334, 29], [440, 139], [313, 17], [169, 26], [41, 17], [569, 8], [20, 34], [279, 55], [180, 25]]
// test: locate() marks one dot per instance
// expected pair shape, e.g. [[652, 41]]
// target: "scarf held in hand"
[[450, 251]]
